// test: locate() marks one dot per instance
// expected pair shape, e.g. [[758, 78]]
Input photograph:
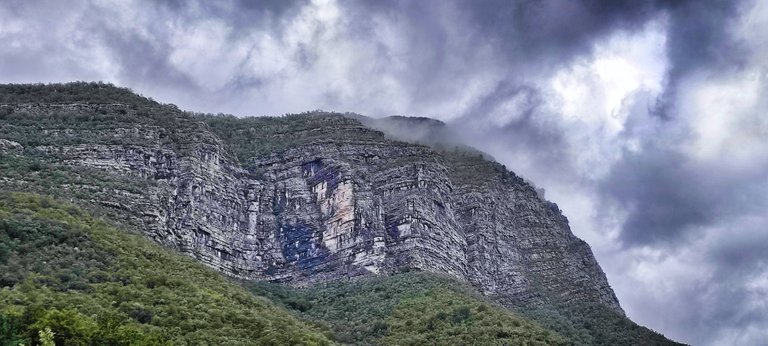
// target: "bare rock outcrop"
[[348, 201]]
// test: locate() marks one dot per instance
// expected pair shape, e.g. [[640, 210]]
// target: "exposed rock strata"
[[354, 203]]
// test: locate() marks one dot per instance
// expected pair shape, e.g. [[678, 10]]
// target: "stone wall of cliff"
[[335, 199]]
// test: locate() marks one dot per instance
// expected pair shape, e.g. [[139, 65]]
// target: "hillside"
[[311, 199], [420, 308], [410, 308], [92, 284]]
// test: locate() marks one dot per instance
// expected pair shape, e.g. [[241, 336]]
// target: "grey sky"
[[644, 120]]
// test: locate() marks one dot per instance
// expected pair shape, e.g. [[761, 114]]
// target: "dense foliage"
[[92, 284], [61, 93], [414, 308], [420, 308], [258, 136], [445, 317], [89, 283], [92, 113], [47, 176], [593, 325], [35, 172]]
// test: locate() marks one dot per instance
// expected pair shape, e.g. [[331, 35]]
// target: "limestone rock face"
[[9, 146], [340, 200]]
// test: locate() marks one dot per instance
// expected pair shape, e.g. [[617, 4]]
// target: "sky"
[[645, 121]]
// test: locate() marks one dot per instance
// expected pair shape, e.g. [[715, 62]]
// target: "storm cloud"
[[644, 120], [669, 196]]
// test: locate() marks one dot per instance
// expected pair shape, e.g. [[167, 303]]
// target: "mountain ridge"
[[303, 198]]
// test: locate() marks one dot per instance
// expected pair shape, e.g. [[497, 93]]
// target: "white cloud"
[[595, 95], [727, 116], [205, 52], [594, 89]]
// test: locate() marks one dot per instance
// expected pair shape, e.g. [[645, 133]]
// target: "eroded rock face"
[[9, 146], [337, 208]]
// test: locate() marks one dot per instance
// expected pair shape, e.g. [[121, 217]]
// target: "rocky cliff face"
[[334, 199]]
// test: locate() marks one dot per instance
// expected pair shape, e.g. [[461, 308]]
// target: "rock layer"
[[336, 200]]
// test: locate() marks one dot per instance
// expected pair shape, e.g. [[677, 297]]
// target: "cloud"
[[720, 278], [698, 39], [690, 189], [669, 197], [417, 55]]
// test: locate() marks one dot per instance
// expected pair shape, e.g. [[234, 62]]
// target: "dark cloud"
[[239, 13], [554, 30], [670, 197], [143, 63], [530, 99], [728, 297], [446, 39], [698, 38], [743, 249], [664, 198], [557, 29]]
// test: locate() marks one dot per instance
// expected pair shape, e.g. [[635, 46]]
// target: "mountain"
[[311, 200]]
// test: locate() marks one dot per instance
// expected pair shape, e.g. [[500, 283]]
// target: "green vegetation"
[[32, 171], [84, 113], [444, 317], [471, 168], [69, 277], [252, 137], [593, 325], [48, 176], [89, 284], [68, 93], [421, 308], [414, 308]]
